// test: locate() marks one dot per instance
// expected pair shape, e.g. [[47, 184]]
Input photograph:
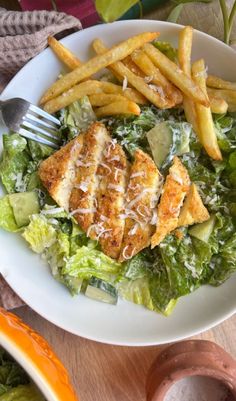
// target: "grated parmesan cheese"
[[82, 211], [117, 188], [124, 252], [125, 83]]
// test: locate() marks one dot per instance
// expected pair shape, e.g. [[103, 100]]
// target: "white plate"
[[126, 323]]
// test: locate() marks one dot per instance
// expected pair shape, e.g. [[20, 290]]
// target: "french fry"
[[229, 96], [73, 94], [102, 99], [137, 82], [155, 76], [128, 62], [176, 75], [218, 83], [184, 57], [206, 130], [95, 64], [72, 62], [91, 87], [185, 49], [217, 104], [120, 107], [64, 54], [130, 93]]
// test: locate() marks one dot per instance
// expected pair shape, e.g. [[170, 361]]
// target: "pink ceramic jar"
[[203, 360]]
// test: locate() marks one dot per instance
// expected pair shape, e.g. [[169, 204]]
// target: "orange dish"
[[36, 357]]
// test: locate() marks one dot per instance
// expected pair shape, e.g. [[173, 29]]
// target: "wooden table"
[[110, 373]]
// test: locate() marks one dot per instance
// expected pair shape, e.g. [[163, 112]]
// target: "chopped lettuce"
[[71, 256], [87, 262], [130, 132], [137, 291], [39, 151], [7, 219], [14, 163], [145, 281], [226, 132], [19, 164], [40, 234], [76, 118], [23, 393], [14, 382], [167, 49]]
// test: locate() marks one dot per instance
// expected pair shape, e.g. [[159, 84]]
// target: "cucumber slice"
[[24, 204], [160, 139], [101, 291], [203, 231], [73, 283], [168, 138]]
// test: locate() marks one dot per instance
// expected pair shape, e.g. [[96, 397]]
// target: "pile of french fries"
[[144, 75]]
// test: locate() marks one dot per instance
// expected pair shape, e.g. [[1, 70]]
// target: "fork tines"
[[43, 130]]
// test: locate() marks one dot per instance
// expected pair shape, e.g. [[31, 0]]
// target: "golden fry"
[[176, 75], [229, 96], [130, 93], [120, 107], [137, 82], [184, 57], [64, 54], [218, 83], [95, 64], [73, 94], [185, 49], [153, 74], [206, 130], [217, 104], [128, 62], [102, 99]]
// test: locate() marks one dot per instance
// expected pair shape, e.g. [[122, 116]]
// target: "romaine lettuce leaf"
[[14, 381], [4, 389], [7, 219], [144, 281], [23, 393], [76, 118], [87, 262], [40, 234], [167, 49], [14, 163], [226, 132], [137, 291], [39, 151], [57, 253], [228, 250], [185, 261]]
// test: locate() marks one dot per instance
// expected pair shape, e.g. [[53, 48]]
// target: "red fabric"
[[82, 9]]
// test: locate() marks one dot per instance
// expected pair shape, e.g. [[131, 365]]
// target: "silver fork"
[[30, 121]]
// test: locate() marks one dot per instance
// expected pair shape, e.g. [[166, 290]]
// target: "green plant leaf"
[[111, 10], [175, 13], [179, 4]]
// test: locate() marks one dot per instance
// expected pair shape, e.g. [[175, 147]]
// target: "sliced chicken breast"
[[57, 172], [108, 227], [174, 191], [193, 210], [82, 203], [140, 205]]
